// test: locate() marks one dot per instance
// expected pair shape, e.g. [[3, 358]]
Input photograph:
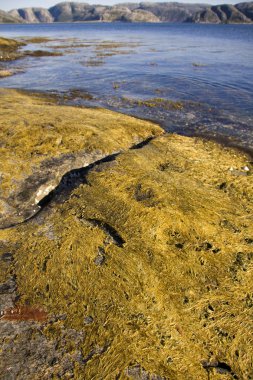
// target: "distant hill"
[[136, 12], [7, 18], [239, 13], [32, 15]]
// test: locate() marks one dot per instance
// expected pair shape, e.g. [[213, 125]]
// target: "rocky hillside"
[[137, 12], [7, 18], [32, 15], [239, 13]]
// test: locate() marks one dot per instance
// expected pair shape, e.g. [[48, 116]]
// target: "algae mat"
[[144, 272], [41, 141]]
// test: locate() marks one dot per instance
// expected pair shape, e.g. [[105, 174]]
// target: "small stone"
[[7, 287], [53, 361], [206, 246], [222, 186], [58, 141], [99, 260], [88, 320], [62, 317], [6, 257]]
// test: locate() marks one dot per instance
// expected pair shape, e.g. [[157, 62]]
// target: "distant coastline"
[[241, 13]]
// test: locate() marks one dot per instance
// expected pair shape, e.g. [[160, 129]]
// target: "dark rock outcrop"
[[138, 12], [206, 16]]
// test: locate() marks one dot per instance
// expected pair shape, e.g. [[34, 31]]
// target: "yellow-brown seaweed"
[[150, 259]]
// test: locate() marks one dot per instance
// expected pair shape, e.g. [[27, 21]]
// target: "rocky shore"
[[125, 253], [12, 50]]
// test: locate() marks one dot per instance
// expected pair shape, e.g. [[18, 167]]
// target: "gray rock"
[[6, 257], [222, 14], [32, 15], [88, 320], [27, 353], [8, 287], [136, 372], [8, 18], [138, 12]]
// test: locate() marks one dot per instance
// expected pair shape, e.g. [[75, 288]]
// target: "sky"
[[7, 5]]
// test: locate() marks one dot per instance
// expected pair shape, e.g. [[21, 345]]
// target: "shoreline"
[[205, 119], [57, 100], [139, 264], [65, 98]]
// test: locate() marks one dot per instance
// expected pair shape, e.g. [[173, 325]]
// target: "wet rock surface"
[[183, 117], [138, 266], [41, 141], [230, 126], [188, 118], [27, 351]]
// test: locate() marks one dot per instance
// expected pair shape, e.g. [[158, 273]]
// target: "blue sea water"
[[209, 67]]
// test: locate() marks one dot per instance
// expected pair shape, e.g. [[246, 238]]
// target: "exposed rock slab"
[[41, 141], [149, 262]]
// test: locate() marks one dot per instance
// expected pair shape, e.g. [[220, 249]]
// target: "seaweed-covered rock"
[[41, 141], [172, 298], [9, 49]]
